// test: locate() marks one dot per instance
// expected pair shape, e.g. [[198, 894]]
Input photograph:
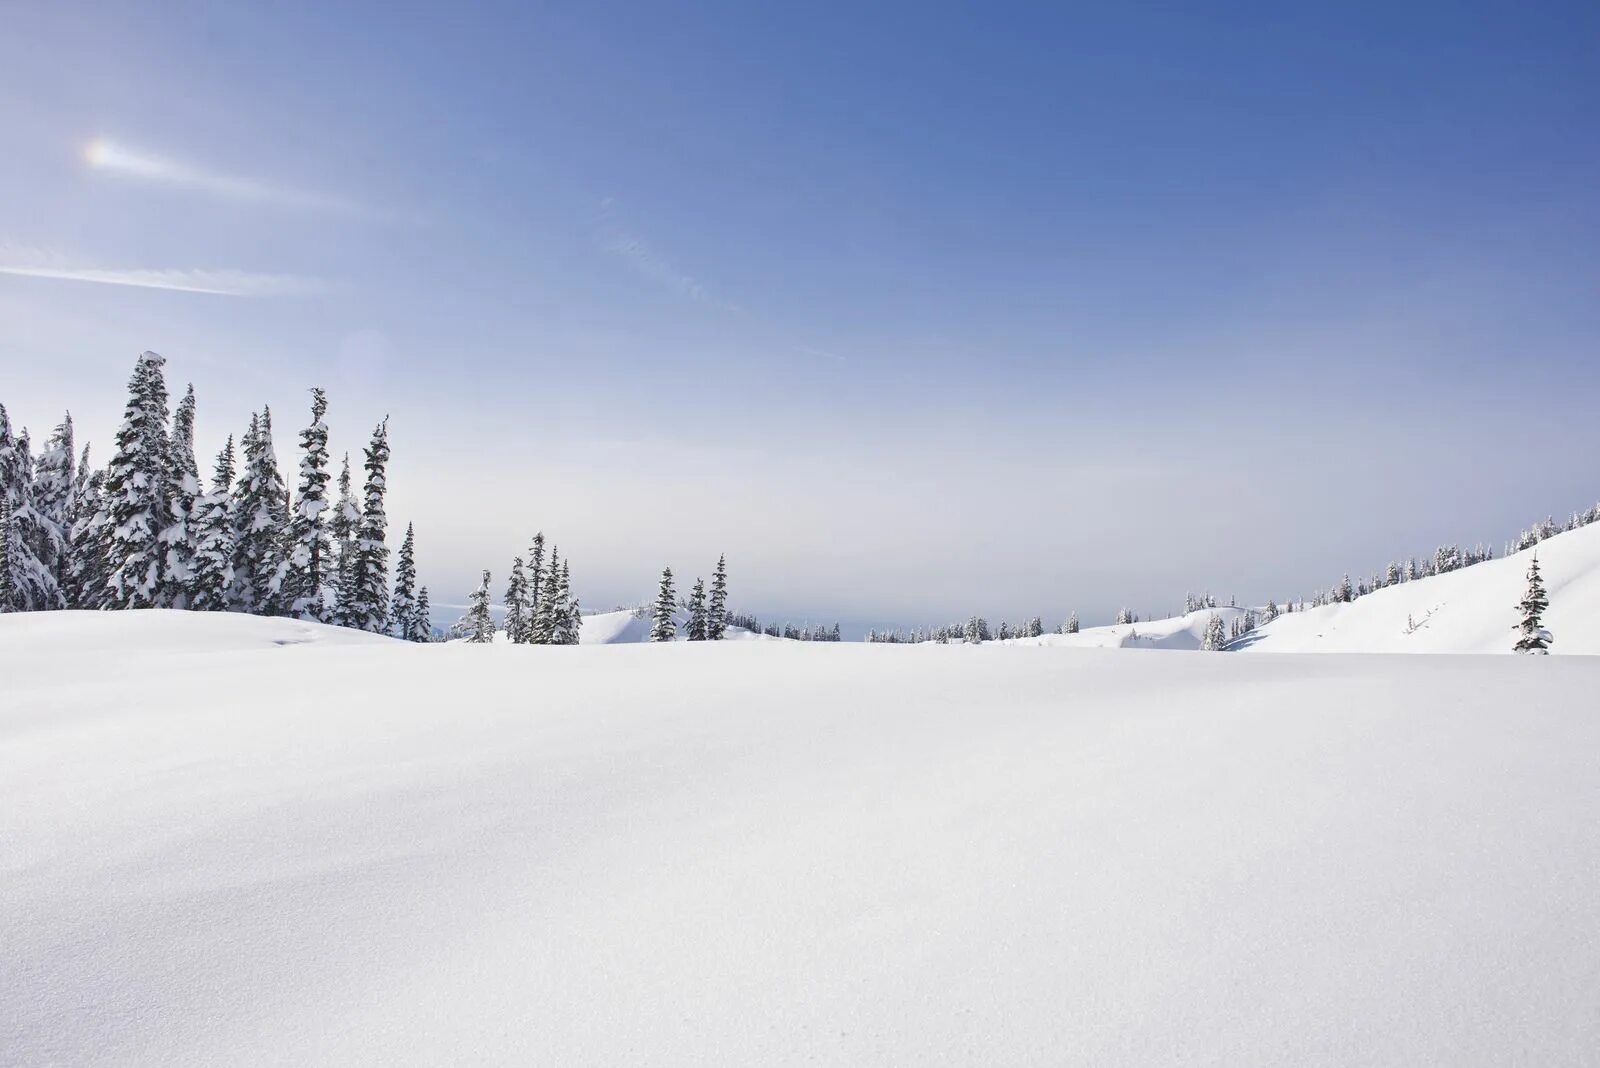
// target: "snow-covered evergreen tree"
[[138, 490], [421, 620], [365, 604], [975, 631], [260, 518], [717, 610], [403, 605], [310, 550], [211, 581], [1531, 635], [1071, 625], [1124, 615], [517, 616], [698, 630], [479, 620], [665, 626], [1272, 611], [1215, 638], [179, 536], [346, 518], [54, 484], [570, 623], [535, 579], [545, 625], [88, 539]]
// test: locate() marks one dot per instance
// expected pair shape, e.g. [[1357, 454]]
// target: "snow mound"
[[784, 852], [26, 635], [624, 626], [1472, 610]]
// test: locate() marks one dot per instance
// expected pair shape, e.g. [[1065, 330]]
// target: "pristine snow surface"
[[230, 840]]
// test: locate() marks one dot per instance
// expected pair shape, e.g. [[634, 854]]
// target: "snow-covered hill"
[[238, 841], [1468, 611]]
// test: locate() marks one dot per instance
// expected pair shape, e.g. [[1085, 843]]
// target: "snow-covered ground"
[[1468, 611], [230, 840]]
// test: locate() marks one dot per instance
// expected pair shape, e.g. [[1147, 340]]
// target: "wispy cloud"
[[125, 162], [648, 261], [33, 263]]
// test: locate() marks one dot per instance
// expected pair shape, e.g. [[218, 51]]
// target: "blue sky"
[[913, 310]]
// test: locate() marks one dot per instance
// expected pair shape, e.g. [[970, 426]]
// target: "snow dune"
[[362, 852]]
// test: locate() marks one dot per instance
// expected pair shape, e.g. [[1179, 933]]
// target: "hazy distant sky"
[[913, 310]]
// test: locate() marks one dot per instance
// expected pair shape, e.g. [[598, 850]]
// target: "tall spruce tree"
[[346, 518], [698, 628], [403, 605], [1531, 635], [54, 483], [664, 628], [260, 517], [480, 621], [138, 490], [180, 535], [305, 591], [88, 540], [365, 604], [717, 612], [535, 578], [211, 584], [516, 622], [545, 625], [568, 620]]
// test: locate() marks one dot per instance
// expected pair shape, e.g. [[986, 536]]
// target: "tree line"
[[145, 531]]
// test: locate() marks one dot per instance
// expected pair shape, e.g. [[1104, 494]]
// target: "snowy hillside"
[[1175, 632], [1467, 611], [242, 841]]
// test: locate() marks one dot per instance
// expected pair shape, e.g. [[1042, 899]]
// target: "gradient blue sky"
[[913, 309]]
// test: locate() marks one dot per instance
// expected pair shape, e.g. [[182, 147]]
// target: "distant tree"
[[717, 612], [698, 629], [1071, 625], [665, 626], [1124, 616], [479, 620], [88, 539], [54, 481], [545, 626], [1531, 636], [260, 516], [1272, 611], [569, 628], [517, 615], [421, 629], [975, 632], [1035, 627], [1215, 638], [535, 580], [179, 535], [403, 605]]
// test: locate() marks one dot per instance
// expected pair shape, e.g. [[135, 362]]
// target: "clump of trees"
[[145, 531]]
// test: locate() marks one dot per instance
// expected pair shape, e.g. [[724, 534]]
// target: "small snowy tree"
[[479, 620], [1272, 611], [1531, 635], [260, 517], [179, 536], [570, 626], [517, 604], [403, 605], [421, 629], [545, 626], [1071, 625], [88, 539], [717, 612], [1215, 638], [698, 631], [665, 626]]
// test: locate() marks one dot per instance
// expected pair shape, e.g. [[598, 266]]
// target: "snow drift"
[[254, 851]]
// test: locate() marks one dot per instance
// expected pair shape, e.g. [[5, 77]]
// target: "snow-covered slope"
[[222, 850], [1174, 632], [1468, 611], [624, 626]]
